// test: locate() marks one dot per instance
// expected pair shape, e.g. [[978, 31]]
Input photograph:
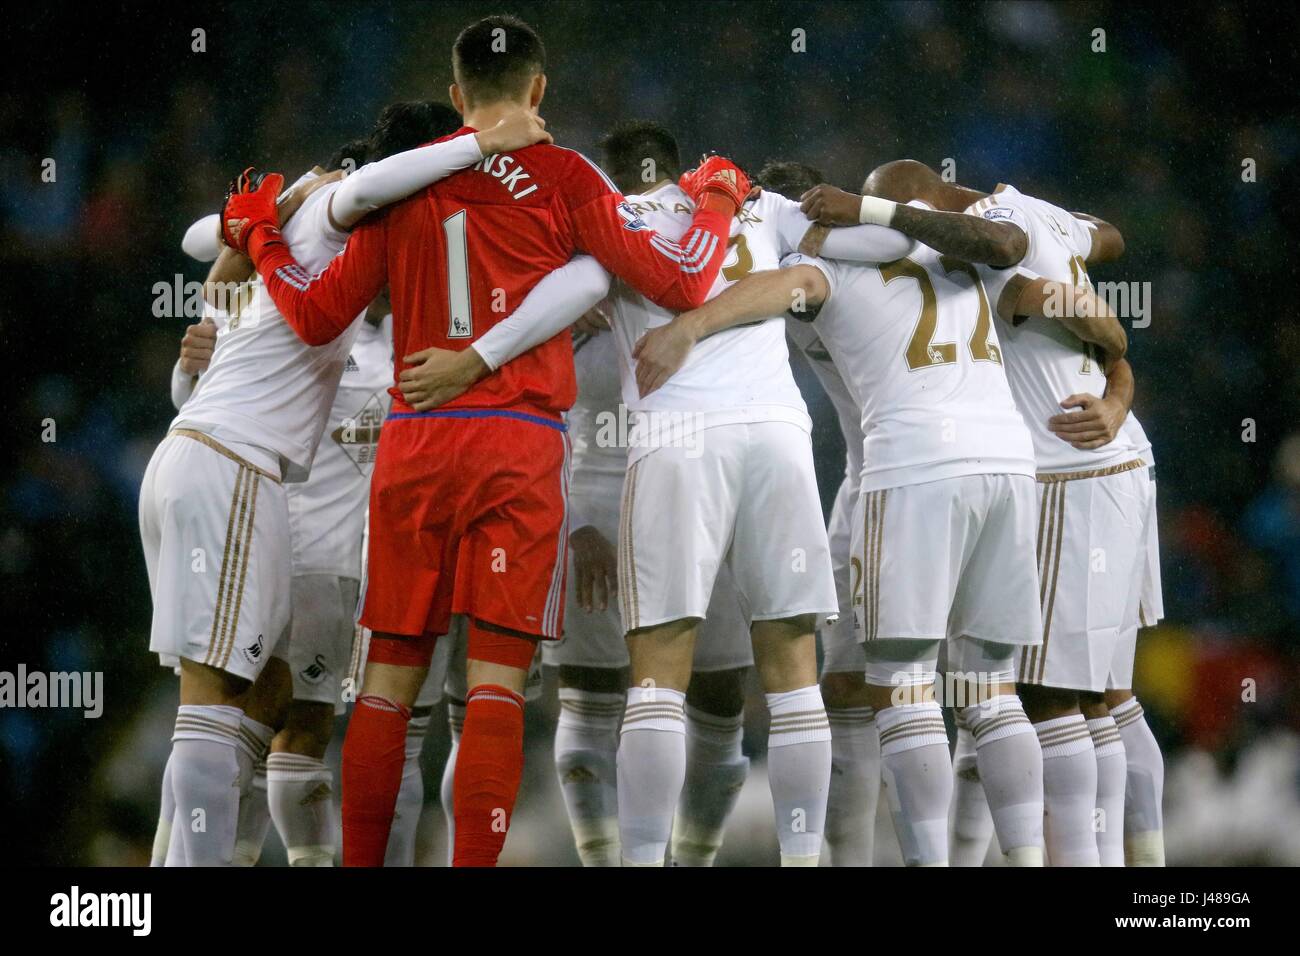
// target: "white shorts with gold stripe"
[[596, 639], [841, 652], [1091, 548], [744, 494], [1151, 605], [215, 530], [947, 558]]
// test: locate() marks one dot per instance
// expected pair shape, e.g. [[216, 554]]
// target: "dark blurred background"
[[1151, 135]]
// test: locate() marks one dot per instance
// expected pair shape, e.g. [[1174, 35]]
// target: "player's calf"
[[1144, 843], [300, 787], [586, 756], [652, 744], [799, 735], [855, 768], [1008, 758], [1069, 774], [715, 767]]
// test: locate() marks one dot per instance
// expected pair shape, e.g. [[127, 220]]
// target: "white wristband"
[[876, 211]]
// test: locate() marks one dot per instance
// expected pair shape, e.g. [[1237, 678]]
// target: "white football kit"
[[599, 462], [1092, 502], [720, 467], [214, 515], [214, 518], [942, 531]]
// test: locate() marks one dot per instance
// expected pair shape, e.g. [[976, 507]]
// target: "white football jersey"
[[738, 375], [1046, 362], [915, 341], [265, 386], [848, 409], [1138, 436], [327, 512]]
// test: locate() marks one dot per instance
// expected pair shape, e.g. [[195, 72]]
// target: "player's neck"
[[489, 114]]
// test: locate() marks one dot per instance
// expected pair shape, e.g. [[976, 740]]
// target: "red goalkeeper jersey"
[[462, 255]]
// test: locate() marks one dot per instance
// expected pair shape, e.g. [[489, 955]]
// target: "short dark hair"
[[496, 57], [406, 125], [357, 151], [627, 146], [790, 179]]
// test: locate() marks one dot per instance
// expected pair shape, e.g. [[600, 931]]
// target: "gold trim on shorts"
[[205, 439], [1053, 476]]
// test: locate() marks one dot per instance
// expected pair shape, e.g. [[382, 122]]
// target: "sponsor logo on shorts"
[[253, 652], [316, 671]]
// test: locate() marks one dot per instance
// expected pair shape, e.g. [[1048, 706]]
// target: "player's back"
[[471, 247], [915, 337], [734, 370], [264, 386], [1046, 362]]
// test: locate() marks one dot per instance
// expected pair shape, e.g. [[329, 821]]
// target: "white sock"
[[799, 772], [300, 791], [455, 724], [1112, 772], [651, 770], [206, 782], [166, 811], [254, 811], [970, 823], [1144, 840], [854, 786], [1069, 791], [918, 779], [715, 772], [1011, 773], [410, 798], [586, 756]]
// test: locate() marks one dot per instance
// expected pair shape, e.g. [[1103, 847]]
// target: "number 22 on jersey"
[[922, 350]]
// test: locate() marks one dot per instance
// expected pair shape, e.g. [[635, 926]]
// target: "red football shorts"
[[468, 515]]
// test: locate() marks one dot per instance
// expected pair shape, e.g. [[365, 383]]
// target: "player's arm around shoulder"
[[760, 295], [1079, 308]]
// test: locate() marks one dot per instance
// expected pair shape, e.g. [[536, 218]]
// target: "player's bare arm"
[[952, 233], [1107, 241], [1080, 310], [663, 350], [1097, 421]]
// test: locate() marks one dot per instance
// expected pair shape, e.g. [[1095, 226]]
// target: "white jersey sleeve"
[[866, 243], [550, 307], [388, 180]]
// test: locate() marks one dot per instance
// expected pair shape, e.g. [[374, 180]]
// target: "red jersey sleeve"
[[318, 308], [674, 274]]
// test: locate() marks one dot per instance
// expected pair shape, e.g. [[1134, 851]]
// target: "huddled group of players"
[[422, 385]]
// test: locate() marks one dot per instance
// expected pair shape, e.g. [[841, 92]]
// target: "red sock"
[[488, 769], [373, 754]]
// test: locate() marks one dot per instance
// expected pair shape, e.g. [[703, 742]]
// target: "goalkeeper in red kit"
[[468, 502]]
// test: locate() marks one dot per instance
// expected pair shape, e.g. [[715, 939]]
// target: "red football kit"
[[468, 501]]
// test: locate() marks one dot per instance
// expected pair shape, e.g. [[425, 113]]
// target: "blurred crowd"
[[106, 157]]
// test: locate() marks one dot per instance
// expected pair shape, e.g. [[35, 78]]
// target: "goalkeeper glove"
[[249, 218]]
